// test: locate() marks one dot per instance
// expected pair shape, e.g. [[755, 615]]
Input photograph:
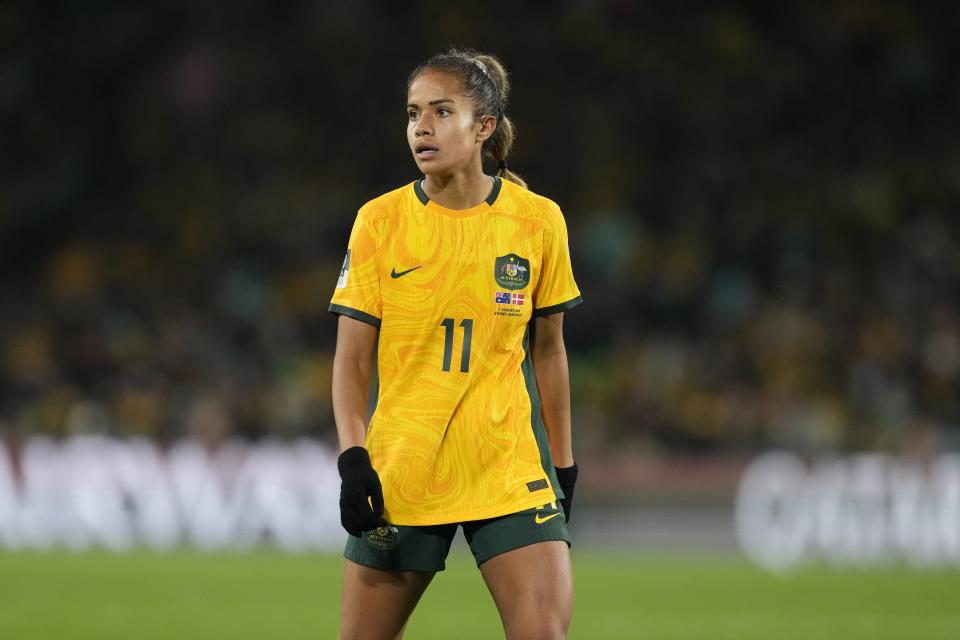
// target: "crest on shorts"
[[511, 271], [383, 537]]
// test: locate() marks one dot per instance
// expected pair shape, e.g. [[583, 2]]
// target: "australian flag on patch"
[[502, 297], [517, 298]]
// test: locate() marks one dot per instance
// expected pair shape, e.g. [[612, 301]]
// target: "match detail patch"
[[505, 297]]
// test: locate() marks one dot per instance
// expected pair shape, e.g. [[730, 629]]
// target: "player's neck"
[[458, 191]]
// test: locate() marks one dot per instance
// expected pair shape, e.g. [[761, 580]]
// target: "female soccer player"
[[459, 281]]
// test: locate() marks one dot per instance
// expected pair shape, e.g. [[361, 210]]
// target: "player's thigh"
[[532, 587], [376, 604]]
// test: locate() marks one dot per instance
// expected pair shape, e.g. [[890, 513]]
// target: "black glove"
[[567, 477], [358, 481]]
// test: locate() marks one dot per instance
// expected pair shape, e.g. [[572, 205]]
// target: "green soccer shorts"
[[425, 548]]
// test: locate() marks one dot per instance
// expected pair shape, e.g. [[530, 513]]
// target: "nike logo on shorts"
[[540, 520]]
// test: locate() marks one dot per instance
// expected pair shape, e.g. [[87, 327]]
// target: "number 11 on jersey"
[[447, 324]]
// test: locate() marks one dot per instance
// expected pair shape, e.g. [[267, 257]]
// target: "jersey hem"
[[471, 516], [557, 308], [356, 314]]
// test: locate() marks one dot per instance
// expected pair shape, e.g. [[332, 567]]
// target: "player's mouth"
[[424, 150]]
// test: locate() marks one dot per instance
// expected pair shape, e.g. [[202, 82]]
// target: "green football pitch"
[[264, 594]]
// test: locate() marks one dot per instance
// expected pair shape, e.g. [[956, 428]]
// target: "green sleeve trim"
[[356, 314], [557, 308]]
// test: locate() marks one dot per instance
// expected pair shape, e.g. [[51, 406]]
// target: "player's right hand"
[[359, 487]]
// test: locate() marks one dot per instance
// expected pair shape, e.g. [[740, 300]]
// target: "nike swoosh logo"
[[394, 274], [540, 520]]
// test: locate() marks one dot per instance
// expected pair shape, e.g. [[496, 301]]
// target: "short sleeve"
[[357, 294], [556, 289]]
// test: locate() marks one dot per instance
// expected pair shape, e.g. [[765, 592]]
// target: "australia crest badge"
[[511, 271]]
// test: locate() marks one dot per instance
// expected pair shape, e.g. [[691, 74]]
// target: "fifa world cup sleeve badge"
[[344, 272]]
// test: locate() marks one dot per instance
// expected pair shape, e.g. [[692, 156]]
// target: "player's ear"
[[488, 124]]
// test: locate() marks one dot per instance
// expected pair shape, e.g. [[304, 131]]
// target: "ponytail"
[[498, 146]]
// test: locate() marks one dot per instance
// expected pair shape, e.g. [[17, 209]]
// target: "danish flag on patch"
[[517, 298]]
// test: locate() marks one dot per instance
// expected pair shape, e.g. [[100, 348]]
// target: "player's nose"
[[423, 126]]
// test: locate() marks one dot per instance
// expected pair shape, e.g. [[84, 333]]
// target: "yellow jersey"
[[456, 432]]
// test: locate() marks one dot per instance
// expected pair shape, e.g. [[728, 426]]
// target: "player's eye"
[[411, 115], [442, 111]]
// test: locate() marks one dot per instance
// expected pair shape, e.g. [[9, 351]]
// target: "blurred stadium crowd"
[[761, 202]]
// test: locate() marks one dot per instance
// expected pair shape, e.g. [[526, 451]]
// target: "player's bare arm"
[[351, 380], [553, 382]]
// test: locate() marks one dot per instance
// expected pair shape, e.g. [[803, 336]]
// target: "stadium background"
[[762, 210]]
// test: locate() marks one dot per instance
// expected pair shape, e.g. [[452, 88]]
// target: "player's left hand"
[[567, 477]]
